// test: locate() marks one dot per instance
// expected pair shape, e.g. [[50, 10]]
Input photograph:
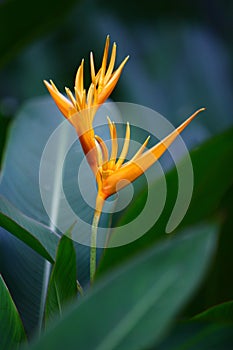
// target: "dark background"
[[180, 54]]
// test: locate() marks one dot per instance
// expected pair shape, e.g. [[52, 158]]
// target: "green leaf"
[[35, 235], [210, 163], [30, 174], [35, 19], [21, 164], [4, 124], [222, 313], [25, 272], [133, 306], [41, 166], [11, 328], [198, 336], [62, 286]]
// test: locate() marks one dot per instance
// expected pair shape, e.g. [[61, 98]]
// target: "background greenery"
[[180, 59]]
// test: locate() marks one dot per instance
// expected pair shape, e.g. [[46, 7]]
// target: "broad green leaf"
[[35, 235], [210, 163], [25, 272], [133, 306], [198, 336], [4, 124], [222, 313], [62, 286], [40, 168], [21, 164], [208, 191], [35, 19], [217, 287], [223, 267], [11, 328]]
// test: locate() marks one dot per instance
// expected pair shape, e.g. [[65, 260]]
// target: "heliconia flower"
[[80, 108], [113, 174]]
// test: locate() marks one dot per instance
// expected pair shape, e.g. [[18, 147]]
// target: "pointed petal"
[[163, 145], [53, 85], [125, 148], [90, 96], [132, 170], [111, 64], [71, 97], [103, 147], [107, 90], [79, 78], [97, 77], [113, 136], [65, 106], [78, 99], [84, 97], [92, 68], [99, 154], [104, 62], [141, 149]]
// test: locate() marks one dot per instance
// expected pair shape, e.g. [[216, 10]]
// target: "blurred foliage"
[[158, 285], [222, 313], [198, 336], [4, 123], [11, 327], [62, 288], [30, 20], [180, 55], [206, 201]]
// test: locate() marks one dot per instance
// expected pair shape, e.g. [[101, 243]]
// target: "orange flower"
[[113, 175], [81, 108]]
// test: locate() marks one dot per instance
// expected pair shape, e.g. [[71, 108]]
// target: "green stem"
[[93, 245], [94, 229], [79, 288]]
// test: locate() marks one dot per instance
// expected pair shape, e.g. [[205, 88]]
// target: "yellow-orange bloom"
[[113, 175], [80, 108]]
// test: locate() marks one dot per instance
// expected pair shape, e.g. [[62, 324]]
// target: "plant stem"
[[79, 288], [46, 275], [94, 229]]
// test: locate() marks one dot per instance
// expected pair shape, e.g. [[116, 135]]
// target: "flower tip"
[[198, 111], [109, 120], [107, 42], [125, 60], [46, 83], [50, 85], [123, 63], [114, 46]]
